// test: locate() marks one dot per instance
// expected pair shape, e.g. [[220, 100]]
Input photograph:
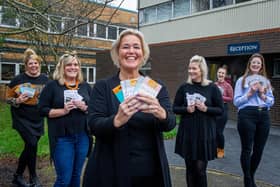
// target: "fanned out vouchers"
[[194, 98], [252, 79], [131, 87]]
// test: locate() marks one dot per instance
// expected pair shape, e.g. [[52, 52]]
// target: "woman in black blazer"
[[129, 149]]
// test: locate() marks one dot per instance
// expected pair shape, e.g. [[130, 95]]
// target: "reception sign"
[[243, 48]]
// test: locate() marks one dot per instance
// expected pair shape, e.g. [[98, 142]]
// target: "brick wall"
[[169, 60]]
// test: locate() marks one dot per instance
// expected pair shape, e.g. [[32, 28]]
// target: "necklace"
[[72, 87]]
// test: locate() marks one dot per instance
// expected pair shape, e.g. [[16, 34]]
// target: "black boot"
[[19, 181], [34, 182]]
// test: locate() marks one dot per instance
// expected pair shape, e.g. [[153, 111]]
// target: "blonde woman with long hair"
[[64, 101], [198, 101]]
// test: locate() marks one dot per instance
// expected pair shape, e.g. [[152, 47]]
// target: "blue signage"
[[243, 48]]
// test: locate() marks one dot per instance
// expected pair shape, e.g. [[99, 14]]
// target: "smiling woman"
[[64, 101], [129, 146], [23, 93]]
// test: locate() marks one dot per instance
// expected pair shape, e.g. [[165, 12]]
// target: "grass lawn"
[[11, 144]]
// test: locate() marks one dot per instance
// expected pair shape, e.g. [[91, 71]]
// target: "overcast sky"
[[127, 4]]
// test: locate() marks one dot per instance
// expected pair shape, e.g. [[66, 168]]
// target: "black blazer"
[[108, 164]]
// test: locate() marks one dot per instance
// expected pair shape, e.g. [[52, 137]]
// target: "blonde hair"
[[116, 46], [248, 70], [30, 54], [65, 59], [201, 62]]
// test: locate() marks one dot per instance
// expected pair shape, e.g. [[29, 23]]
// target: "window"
[[181, 7], [82, 30], [24, 21], [150, 15], [276, 68], [200, 5], [241, 1], [164, 11], [100, 31], [91, 30], [220, 3], [55, 24], [8, 71], [89, 74], [112, 33], [68, 23], [121, 29], [8, 16]]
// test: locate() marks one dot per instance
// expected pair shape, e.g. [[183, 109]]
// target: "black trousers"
[[221, 123], [28, 155], [253, 127]]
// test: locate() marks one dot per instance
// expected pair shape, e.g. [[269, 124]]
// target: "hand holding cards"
[[27, 90], [194, 98], [254, 79], [131, 87], [72, 95]]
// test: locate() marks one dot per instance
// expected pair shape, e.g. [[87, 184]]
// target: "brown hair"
[[248, 71]]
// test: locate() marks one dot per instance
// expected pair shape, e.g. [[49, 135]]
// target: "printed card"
[[128, 87], [199, 98], [149, 87], [27, 90], [118, 93], [190, 99], [70, 95]]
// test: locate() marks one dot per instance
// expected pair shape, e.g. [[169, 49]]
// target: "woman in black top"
[[198, 102], [64, 102], [23, 93], [129, 149]]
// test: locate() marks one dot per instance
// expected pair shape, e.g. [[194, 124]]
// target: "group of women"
[[129, 148]]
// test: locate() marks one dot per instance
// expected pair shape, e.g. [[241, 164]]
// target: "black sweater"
[[52, 97], [26, 116], [196, 137]]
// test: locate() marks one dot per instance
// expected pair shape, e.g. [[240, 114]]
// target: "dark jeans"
[[69, 156], [253, 127], [29, 153], [221, 123], [196, 175]]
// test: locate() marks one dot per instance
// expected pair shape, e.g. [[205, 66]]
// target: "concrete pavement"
[[227, 172]]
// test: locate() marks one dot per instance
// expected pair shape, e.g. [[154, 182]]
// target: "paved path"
[[229, 167]]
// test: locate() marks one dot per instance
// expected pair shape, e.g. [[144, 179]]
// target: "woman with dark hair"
[[227, 95], [64, 101], [253, 97], [23, 93]]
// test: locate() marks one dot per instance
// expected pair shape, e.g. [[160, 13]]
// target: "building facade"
[[96, 36], [225, 32]]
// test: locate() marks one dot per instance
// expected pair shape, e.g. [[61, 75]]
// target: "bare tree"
[[51, 25]]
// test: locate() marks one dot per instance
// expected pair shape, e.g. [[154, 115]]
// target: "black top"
[[196, 137], [52, 97], [26, 116], [119, 151]]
